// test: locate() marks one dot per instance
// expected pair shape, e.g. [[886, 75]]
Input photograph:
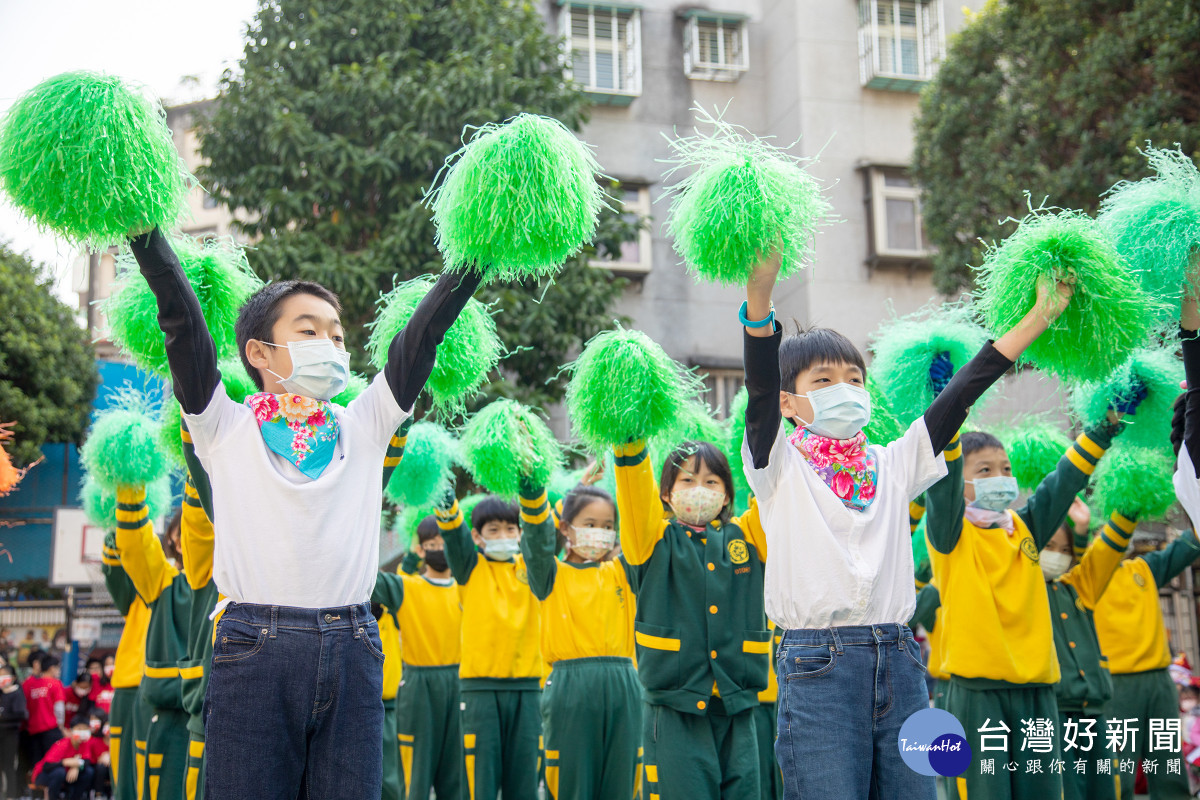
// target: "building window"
[[897, 228], [210, 201], [634, 255], [715, 49], [722, 385], [605, 50], [899, 43]]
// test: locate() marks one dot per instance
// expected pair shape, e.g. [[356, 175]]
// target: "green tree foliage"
[[48, 371], [1053, 97], [339, 119]]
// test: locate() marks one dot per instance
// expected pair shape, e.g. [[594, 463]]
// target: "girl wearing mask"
[[12, 716], [590, 705], [701, 632], [101, 671]]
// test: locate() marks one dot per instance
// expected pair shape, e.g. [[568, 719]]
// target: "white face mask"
[[501, 549], [320, 369], [592, 544], [1053, 563], [1186, 706], [697, 505], [840, 411]]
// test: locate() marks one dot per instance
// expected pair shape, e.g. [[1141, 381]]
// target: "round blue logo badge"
[[933, 742]]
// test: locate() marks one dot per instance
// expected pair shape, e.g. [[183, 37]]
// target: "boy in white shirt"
[[839, 580], [293, 707]]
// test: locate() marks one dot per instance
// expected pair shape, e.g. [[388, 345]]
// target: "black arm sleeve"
[[948, 411], [191, 353], [412, 352], [1191, 370], [761, 359]]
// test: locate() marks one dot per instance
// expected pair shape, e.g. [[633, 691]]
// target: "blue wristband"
[[761, 323]]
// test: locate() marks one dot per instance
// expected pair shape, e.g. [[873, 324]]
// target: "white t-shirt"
[[828, 565], [285, 539], [1187, 487]]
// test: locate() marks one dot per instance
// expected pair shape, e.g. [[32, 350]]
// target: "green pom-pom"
[[518, 199], [219, 274], [1034, 450], [1109, 314], [238, 384], [1135, 482], [906, 347], [1156, 370], [743, 199], [885, 427], [170, 434], [100, 504], [425, 471], [123, 447], [469, 351], [735, 436], [354, 387], [695, 423], [408, 520], [1155, 224], [505, 441], [91, 158], [625, 387]]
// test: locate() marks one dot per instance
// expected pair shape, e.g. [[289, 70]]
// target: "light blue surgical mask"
[[501, 549], [320, 369], [840, 411], [995, 494]]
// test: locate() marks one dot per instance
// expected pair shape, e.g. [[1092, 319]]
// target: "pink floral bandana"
[[846, 465], [299, 428]]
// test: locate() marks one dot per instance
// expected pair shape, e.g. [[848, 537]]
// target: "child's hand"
[[1053, 296], [1080, 516], [766, 271], [593, 473]]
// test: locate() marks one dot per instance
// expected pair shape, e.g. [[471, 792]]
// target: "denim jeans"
[[843, 694], [294, 705]]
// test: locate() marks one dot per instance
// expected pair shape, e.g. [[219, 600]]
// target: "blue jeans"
[[294, 705], [843, 694], [55, 781]]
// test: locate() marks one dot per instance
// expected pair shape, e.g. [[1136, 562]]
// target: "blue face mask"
[[319, 369], [995, 494], [839, 411], [501, 549]]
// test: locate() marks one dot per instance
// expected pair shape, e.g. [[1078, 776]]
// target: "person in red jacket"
[[65, 768], [102, 690], [44, 700], [95, 750]]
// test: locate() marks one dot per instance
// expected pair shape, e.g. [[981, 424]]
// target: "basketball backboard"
[[76, 549]]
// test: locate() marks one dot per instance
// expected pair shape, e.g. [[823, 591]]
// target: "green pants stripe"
[[167, 755], [1092, 783], [591, 715], [766, 726], [122, 725], [979, 708], [706, 756], [429, 731], [393, 781], [193, 784], [501, 729], [1143, 696]]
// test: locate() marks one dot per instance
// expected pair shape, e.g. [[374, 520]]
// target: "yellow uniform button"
[[1085, 703], [1072, 644], [713, 654], [712, 609], [711, 566], [1063, 615], [1081, 673], [701, 705]]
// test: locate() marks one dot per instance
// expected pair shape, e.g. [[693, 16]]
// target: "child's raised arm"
[[639, 506], [1046, 510], [1095, 569], [116, 580], [539, 540], [196, 540], [760, 354], [456, 533], [141, 551], [1173, 559], [191, 353], [945, 503]]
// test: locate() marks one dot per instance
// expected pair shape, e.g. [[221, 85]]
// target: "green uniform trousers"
[[430, 732], [1092, 783], [766, 726], [1144, 696], [393, 786], [193, 784], [591, 715], [947, 788], [707, 756], [978, 707], [502, 731], [167, 754], [126, 715]]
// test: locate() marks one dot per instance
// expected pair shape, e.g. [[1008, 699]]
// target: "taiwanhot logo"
[[933, 742]]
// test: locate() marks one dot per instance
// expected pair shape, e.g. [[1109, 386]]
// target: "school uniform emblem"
[[1030, 549], [738, 553], [1139, 580]]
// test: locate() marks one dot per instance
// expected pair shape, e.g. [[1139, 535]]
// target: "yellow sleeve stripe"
[[154, 760], [630, 454], [1123, 523], [536, 502], [406, 737], [756, 647], [111, 562], [447, 513], [1081, 463], [162, 672], [916, 510], [187, 437], [469, 741], [954, 451], [530, 519], [1088, 446], [195, 749], [192, 673], [190, 490], [399, 441], [450, 524], [392, 462], [656, 642], [920, 585], [1114, 539]]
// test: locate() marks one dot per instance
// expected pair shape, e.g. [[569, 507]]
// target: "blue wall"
[[53, 483]]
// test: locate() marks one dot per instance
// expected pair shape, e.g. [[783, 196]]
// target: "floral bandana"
[[846, 465], [301, 429]]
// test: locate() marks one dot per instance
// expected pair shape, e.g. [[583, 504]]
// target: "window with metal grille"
[[897, 227], [605, 51], [715, 49], [899, 43]]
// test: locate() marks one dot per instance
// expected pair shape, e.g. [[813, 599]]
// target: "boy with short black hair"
[[45, 700], [297, 493], [501, 671]]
